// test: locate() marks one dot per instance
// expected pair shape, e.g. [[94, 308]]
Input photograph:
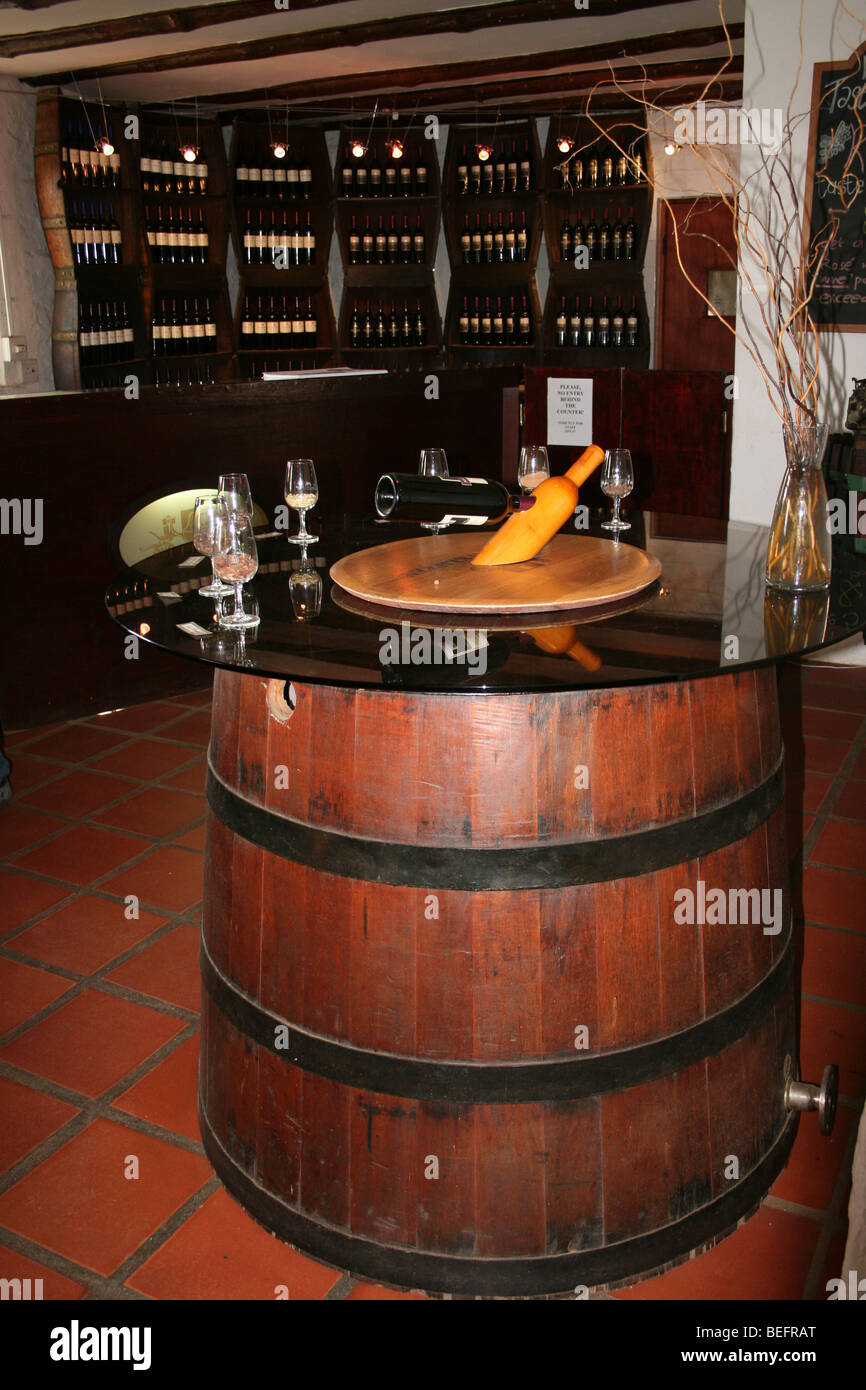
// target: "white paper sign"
[[191, 560], [569, 410], [194, 630]]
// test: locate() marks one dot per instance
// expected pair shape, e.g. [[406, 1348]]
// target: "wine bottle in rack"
[[393, 326], [260, 324], [579, 234], [309, 242], [525, 322], [632, 325], [368, 244], [466, 241], [355, 327], [499, 171], [420, 327], [617, 325], [588, 332], [463, 174], [618, 237], [347, 174], [562, 324], [406, 242], [367, 327], [604, 238], [381, 328], [592, 168], [374, 177], [475, 323], [606, 169], [477, 241], [475, 175], [311, 325], [390, 177], [498, 323], [526, 169], [405, 326], [565, 241], [361, 183], [512, 170], [354, 243], [210, 328], [381, 243], [405, 178], [488, 240], [591, 235], [499, 240], [487, 176], [630, 236], [510, 322], [575, 324], [523, 239], [393, 242], [511, 239], [603, 330], [486, 323], [463, 323], [419, 241]]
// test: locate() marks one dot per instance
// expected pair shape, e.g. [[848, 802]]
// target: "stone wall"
[[27, 306]]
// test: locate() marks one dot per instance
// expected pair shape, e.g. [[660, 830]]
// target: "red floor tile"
[[192, 779], [834, 724], [85, 934], [168, 969], [767, 1258], [842, 844], [91, 1042], [156, 811], [831, 1033], [138, 719], [82, 854], [851, 801], [76, 743], [834, 965], [79, 1202], [832, 695], [79, 794], [818, 755], [55, 1287], [193, 728], [24, 990], [815, 1162], [197, 698], [813, 791], [220, 1253], [146, 759], [193, 839], [834, 897], [369, 1293], [20, 827], [168, 879], [168, 1095], [30, 772], [28, 1118], [24, 897]]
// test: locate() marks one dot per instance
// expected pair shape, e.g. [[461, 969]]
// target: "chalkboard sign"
[[836, 187]]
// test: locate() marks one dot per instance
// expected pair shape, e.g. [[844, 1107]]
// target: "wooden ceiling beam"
[[462, 21], [438, 98], [139, 26], [399, 80]]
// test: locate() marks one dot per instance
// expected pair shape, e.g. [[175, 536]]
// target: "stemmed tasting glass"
[[203, 526], [301, 493], [235, 488], [533, 467], [617, 481], [433, 464], [305, 590], [236, 560]]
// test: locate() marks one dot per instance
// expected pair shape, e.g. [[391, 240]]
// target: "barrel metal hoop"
[[515, 1277], [490, 870], [576, 1078]]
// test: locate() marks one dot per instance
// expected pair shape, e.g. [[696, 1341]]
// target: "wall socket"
[[13, 349]]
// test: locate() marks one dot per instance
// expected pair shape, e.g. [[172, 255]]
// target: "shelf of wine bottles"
[[377, 174], [190, 374], [177, 236], [488, 167], [163, 167], [505, 241], [105, 332], [275, 241], [253, 368], [95, 233], [261, 173], [183, 325], [387, 323], [83, 163], [486, 320], [607, 240], [597, 321], [273, 323], [377, 241], [596, 162]]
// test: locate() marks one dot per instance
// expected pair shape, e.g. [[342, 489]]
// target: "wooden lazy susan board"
[[433, 573]]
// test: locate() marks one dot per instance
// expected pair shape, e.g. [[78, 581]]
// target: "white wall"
[[772, 55], [26, 309]]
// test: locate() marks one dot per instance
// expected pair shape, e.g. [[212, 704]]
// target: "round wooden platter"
[[434, 574]]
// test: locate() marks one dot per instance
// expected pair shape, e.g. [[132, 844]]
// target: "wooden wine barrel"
[[64, 329], [454, 1035]]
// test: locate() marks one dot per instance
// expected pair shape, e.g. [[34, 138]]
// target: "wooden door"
[[689, 337]]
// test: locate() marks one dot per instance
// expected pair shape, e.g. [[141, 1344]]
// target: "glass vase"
[[799, 553]]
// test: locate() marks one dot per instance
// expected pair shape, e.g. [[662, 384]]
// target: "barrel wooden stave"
[[498, 976]]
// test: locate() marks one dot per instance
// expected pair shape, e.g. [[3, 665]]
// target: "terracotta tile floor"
[[99, 1021]]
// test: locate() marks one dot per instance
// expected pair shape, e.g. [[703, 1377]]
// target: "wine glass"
[[236, 560], [617, 481], [533, 467], [235, 488], [301, 492], [203, 526], [433, 464]]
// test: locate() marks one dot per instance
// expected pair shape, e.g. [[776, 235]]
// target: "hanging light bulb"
[[395, 148], [484, 151], [672, 147], [189, 152], [359, 149], [564, 144], [280, 149], [104, 145]]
